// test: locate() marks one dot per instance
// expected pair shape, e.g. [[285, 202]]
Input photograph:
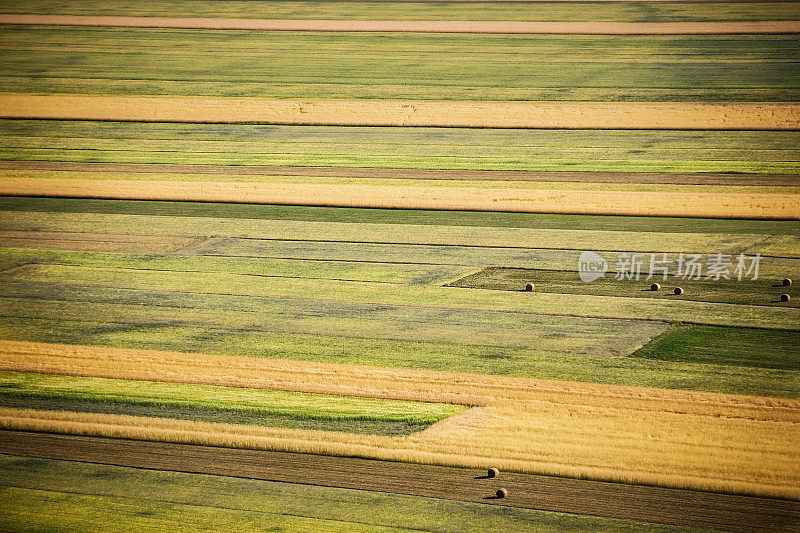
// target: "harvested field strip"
[[485, 186], [644, 435], [593, 365], [388, 233], [619, 11], [578, 497], [237, 213], [426, 148], [92, 242], [406, 272], [584, 28], [493, 332], [631, 203], [420, 297], [390, 263], [405, 67], [644, 116], [763, 291], [260, 406], [143, 170], [294, 501]]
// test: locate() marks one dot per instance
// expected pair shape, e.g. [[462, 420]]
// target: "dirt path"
[[780, 180], [557, 115], [613, 500], [454, 26]]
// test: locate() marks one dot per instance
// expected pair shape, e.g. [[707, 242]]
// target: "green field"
[[45, 495], [466, 219], [230, 405], [427, 66], [550, 11], [763, 291], [365, 287], [448, 148], [736, 346]]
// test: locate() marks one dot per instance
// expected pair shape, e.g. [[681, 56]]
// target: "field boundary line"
[[418, 26], [417, 113], [762, 206]]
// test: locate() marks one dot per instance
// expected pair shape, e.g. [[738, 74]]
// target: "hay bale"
[[529, 287], [502, 493], [493, 472], [655, 286], [678, 291], [787, 282], [785, 297]]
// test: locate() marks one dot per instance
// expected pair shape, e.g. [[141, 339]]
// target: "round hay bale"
[[529, 287], [787, 282], [502, 493], [785, 297], [493, 472], [655, 286], [678, 291]]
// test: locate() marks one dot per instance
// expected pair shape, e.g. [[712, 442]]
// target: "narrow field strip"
[[264, 407], [582, 28], [240, 213], [174, 225], [671, 116], [752, 152], [763, 206], [69, 168], [571, 10], [301, 496], [523, 305], [672, 438]]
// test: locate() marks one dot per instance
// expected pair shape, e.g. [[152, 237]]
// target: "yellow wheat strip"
[[639, 203], [667, 437], [690, 469], [581, 115], [450, 26]]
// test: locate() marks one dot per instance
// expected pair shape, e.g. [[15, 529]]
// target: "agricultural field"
[[276, 279]]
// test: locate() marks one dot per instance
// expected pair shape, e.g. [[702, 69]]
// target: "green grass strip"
[[272, 404], [398, 216], [732, 346], [429, 66], [760, 152]]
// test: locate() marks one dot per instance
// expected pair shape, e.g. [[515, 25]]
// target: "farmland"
[[263, 265]]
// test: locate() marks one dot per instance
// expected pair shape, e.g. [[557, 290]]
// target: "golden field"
[[673, 438], [570, 115], [774, 206]]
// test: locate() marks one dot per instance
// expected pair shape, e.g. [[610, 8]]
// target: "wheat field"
[[672, 438]]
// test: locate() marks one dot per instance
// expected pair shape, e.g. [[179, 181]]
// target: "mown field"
[[396, 66], [68, 496], [757, 152], [489, 10]]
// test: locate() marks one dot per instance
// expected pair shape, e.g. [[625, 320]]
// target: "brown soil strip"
[[633, 203], [581, 115], [454, 26], [787, 180], [613, 500]]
